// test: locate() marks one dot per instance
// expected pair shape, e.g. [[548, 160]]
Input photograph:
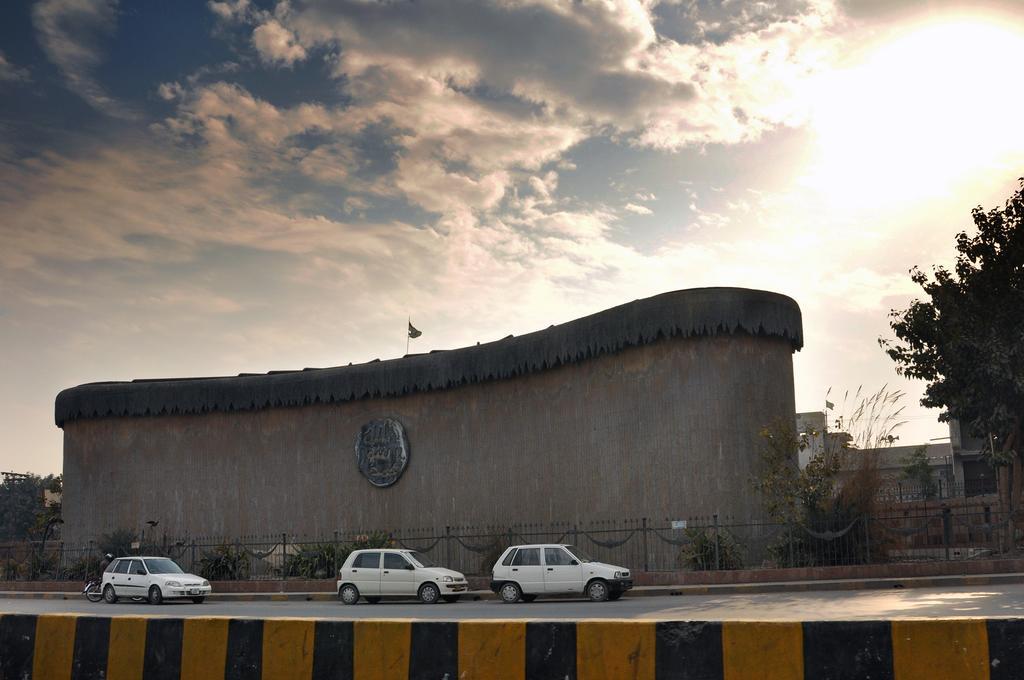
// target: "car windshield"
[[421, 559], [163, 566], [578, 554]]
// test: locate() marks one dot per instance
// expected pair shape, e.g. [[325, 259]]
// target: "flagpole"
[[408, 323]]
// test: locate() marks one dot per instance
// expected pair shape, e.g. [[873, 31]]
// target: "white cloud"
[[590, 64], [170, 91], [11, 73], [638, 209], [230, 10], [276, 44], [71, 33]]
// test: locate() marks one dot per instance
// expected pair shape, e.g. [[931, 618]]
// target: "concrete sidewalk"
[[639, 591]]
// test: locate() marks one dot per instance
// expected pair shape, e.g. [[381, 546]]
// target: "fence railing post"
[[335, 574], [284, 556], [448, 545], [646, 551], [789, 540], [947, 529], [717, 560], [867, 538]]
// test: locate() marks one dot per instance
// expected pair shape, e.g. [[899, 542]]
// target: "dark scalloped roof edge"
[[686, 313]]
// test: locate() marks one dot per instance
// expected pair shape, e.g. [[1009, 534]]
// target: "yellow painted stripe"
[[54, 647], [492, 649], [381, 650], [937, 650], [204, 649], [762, 651], [287, 649], [615, 649], [127, 649]]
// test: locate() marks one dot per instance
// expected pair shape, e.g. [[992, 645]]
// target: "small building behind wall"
[[650, 409]]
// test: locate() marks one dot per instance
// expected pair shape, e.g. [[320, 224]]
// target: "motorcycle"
[[92, 590]]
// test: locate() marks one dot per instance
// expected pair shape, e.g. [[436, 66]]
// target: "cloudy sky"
[[212, 188]]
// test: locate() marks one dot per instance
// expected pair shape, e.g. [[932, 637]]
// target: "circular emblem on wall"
[[382, 451]]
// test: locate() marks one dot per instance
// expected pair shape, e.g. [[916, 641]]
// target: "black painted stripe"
[[433, 650], [1005, 648], [92, 640], [245, 649], [162, 659], [837, 650], [688, 650], [550, 651], [17, 645], [332, 650]]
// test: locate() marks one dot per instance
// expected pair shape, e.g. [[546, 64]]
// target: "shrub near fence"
[[640, 544]]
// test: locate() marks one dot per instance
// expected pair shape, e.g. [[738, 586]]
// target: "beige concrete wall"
[[667, 430]]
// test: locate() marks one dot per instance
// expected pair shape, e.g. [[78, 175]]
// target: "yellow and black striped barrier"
[[65, 647]]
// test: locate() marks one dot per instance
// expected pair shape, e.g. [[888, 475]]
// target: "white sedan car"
[[373, 574], [525, 571], [154, 578]]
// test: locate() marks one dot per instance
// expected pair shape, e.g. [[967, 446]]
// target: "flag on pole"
[[828, 404], [413, 332]]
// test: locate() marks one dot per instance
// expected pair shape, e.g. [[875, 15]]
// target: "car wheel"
[[429, 594], [597, 590], [348, 594], [510, 593], [528, 598], [198, 600], [155, 596], [450, 598], [109, 596], [373, 600]]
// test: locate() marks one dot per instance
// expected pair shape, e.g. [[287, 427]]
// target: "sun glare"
[[921, 114]]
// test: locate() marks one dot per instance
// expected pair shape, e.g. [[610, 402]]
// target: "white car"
[[154, 578], [525, 571], [374, 574]]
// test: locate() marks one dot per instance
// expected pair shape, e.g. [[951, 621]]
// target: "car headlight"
[[447, 579], [621, 574], [206, 583], [173, 584]]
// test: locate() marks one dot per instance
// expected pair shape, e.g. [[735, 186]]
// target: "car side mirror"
[[140, 572], [574, 562], [410, 567]]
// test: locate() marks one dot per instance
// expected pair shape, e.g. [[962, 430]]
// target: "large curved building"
[[649, 409]]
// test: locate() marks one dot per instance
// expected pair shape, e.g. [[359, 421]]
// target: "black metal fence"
[[706, 543], [939, 489]]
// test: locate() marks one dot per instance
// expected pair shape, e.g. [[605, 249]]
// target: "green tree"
[[23, 513], [918, 470], [817, 501], [787, 491], [966, 339]]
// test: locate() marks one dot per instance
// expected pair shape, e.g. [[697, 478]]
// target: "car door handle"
[[514, 569], [355, 571], [551, 568], [386, 571]]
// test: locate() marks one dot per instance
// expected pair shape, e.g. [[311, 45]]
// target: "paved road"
[[987, 601]]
